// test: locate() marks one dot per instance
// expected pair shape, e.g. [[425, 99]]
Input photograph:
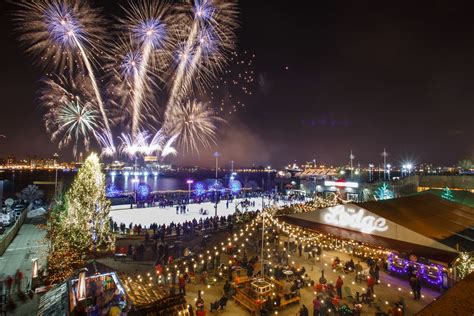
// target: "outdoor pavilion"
[[423, 228]]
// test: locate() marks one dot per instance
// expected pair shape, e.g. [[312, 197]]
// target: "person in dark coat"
[[415, 286], [304, 311]]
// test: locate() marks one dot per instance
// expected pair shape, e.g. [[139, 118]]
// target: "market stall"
[[149, 298], [94, 289]]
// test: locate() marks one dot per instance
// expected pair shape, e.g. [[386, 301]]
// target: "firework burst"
[[168, 149], [150, 28], [205, 51], [195, 124], [51, 30], [123, 69], [106, 141], [68, 119], [142, 144], [176, 49], [65, 34]]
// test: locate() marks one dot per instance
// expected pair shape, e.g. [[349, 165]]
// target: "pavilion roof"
[[442, 220], [456, 301]]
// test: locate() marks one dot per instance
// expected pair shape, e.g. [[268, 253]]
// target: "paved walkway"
[[390, 290], [24, 247]]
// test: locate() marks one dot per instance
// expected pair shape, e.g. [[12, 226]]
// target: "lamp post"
[[189, 182], [216, 155], [135, 181], [262, 270], [384, 154], [351, 157], [55, 159]]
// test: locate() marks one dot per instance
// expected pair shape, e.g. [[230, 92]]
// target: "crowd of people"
[[188, 228], [293, 277]]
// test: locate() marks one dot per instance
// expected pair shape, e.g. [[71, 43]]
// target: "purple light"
[[143, 190], [189, 181], [199, 189], [432, 273]]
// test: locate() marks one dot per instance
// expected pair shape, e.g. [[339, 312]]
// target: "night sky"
[[335, 77]]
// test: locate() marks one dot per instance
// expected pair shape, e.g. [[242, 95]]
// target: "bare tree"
[[30, 194]]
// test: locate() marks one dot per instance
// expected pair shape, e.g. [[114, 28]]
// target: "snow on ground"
[[159, 215]]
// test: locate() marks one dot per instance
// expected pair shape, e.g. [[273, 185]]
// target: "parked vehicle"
[[7, 218]]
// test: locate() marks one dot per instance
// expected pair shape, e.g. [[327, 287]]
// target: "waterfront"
[[16, 180]]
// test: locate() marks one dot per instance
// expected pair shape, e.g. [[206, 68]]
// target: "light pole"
[[216, 155], [55, 157], [135, 181], [384, 154], [351, 157], [189, 182], [262, 271]]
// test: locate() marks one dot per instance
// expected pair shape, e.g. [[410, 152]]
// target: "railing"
[[11, 233]]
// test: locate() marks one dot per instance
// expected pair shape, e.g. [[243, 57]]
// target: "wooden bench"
[[279, 284], [283, 303], [246, 302]]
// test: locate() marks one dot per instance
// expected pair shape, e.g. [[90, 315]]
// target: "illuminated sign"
[[343, 216], [150, 159], [341, 184]]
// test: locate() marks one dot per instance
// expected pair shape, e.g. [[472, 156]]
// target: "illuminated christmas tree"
[[79, 223], [88, 209], [447, 194], [383, 193], [464, 265]]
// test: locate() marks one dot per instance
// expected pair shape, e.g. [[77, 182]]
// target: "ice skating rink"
[[148, 215]]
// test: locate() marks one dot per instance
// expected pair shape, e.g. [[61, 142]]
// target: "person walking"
[[415, 286], [18, 280], [370, 284], [199, 302], [182, 284], [377, 273], [9, 281], [304, 311], [358, 272], [316, 306], [339, 284]]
